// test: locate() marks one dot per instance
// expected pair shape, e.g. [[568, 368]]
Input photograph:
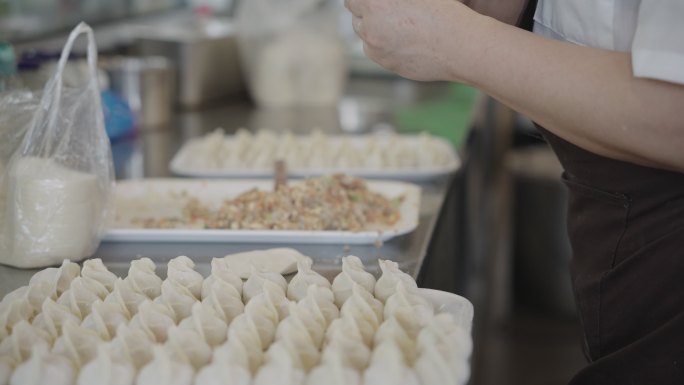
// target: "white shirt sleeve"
[[658, 45]]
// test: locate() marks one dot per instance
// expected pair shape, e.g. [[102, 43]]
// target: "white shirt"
[[652, 30]]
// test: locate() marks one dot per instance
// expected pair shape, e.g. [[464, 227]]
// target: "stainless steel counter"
[[370, 105]]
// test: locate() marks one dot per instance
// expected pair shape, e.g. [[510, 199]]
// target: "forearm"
[[587, 96], [584, 95]]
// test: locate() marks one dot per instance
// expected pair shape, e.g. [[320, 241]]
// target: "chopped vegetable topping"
[[337, 202]]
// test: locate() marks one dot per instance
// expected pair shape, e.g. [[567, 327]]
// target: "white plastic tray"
[[458, 306], [158, 198], [181, 166]]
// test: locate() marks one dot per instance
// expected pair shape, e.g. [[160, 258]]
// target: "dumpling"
[[375, 157], [444, 333], [13, 296], [24, 337], [66, 272], [104, 319], [211, 146], [106, 370], [225, 300], [408, 320], [432, 367], [281, 369], [127, 299], [391, 275], [218, 373], [255, 283], [222, 368], [14, 308], [320, 302], [37, 293], [334, 372], [5, 372], [299, 348], [300, 323], [186, 345], [59, 278], [82, 293], [362, 306], [44, 368], [406, 296], [221, 272], [77, 343], [178, 298], [352, 272], [351, 327], [163, 369], [233, 354], [305, 277], [354, 354], [388, 367], [133, 345], [271, 303], [181, 271], [242, 350], [53, 317], [142, 278], [392, 330], [207, 324], [154, 319], [253, 329], [96, 270]]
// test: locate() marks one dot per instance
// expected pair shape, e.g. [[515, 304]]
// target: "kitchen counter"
[[370, 105]]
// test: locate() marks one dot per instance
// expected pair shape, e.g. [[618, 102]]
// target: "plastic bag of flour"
[[55, 188], [16, 111], [292, 52]]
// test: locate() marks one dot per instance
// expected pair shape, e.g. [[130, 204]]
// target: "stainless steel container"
[[147, 84], [205, 54]]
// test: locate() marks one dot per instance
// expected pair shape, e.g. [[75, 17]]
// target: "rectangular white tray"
[[180, 166], [155, 198]]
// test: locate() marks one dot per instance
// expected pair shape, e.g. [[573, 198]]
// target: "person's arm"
[[587, 96], [584, 95]]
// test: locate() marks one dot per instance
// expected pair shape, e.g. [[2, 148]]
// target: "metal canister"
[[147, 84]]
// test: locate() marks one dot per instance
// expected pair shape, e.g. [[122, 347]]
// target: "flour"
[[50, 213]]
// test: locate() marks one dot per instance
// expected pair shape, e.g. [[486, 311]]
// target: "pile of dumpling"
[[247, 151], [87, 326]]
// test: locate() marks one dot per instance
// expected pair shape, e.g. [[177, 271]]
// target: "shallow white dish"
[[154, 198], [181, 165], [445, 302]]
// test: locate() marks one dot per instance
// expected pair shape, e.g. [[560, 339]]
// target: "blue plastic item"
[[118, 117], [8, 64]]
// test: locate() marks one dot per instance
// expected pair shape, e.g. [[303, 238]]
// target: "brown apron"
[[626, 227]]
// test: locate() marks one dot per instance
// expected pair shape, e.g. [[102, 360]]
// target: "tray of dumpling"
[[338, 209], [84, 326], [383, 156]]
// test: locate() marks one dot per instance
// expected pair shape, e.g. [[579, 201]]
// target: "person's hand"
[[418, 39]]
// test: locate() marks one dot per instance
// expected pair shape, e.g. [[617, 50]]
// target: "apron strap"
[[526, 20]]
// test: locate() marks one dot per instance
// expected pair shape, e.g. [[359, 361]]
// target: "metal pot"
[[147, 84]]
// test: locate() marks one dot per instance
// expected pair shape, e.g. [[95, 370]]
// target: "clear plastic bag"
[[55, 189], [292, 52], [16, 110]]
